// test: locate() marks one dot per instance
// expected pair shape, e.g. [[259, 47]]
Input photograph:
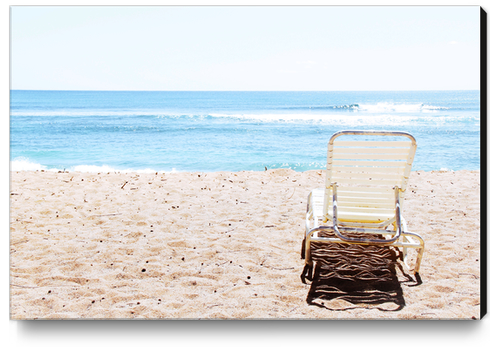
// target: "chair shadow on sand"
[[347, 276]]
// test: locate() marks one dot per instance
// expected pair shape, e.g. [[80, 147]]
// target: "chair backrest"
[[366, 166]]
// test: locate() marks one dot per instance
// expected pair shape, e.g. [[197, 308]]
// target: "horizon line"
[[234, 91]]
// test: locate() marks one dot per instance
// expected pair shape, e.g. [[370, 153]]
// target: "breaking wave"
[[24, 164]]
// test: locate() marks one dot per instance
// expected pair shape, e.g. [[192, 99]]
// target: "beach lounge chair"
[[366, 178]]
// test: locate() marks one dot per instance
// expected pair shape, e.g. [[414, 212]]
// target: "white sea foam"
[[24, 164], [333, 109], [84, 113], [380, 114], [351, 119], [399, 108], [431, 108]]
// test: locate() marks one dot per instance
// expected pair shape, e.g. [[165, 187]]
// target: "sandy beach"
[[222, 245]]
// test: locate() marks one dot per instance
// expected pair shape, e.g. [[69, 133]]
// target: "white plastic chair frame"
[[372, 209]]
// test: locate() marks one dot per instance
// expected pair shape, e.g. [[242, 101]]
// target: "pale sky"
[[245, 47]]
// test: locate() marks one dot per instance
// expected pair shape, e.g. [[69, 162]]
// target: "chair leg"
[[303, 248], [419, 260], [308, 270], [305, 254], [307, 257], [405, 252]]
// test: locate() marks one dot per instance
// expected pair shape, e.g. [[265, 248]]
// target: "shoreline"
[[153, 172], [217, 245]]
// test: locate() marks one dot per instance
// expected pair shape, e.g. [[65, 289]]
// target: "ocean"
[[185, 131]]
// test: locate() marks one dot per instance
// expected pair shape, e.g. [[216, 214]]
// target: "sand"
[[221, 245]]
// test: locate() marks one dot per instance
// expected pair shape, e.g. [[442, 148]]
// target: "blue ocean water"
[[231, 131]]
